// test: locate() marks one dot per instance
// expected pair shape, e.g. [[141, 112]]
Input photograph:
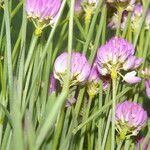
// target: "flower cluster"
[[80, 68], [42, 12], [136, 19], [130, 119], [146, 74], [117, 55]]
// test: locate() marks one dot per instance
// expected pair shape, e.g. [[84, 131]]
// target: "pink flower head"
[[42, 12], [146, 74], [93, 81], [80, 68], [117, 55], [52, 87], [130, 118]]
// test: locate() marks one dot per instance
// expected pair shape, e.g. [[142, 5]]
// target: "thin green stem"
[[16, 118], [113, 113], [141, 23], [119, 145], [120, 10], [83, 131], [91, 30], [91, 118], [58, 129], [106, 131], [127, 144], [30, 53], [100, 119]]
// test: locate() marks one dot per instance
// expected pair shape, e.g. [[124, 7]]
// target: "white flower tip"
[[131, 78]]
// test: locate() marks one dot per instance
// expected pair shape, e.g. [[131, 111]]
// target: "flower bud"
[[80, 68], [52, 87], [78, 7]]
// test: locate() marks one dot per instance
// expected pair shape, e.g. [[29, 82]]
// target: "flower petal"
[[131, 78]]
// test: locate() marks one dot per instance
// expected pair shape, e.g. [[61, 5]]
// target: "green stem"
[[66, 125], [74, 119], [101, 25], [106, 131], [16, 117], [113, 113], [50, 119], [127, 144], [58, 129], [80, 126], [120, 10], [119, 145], [84, 128], [141, 23], [30, 53], [91, 29], [100, 119]]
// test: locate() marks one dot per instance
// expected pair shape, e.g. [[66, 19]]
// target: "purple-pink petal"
[[131, 115], [52, 87], [42, 9], [80, 68]]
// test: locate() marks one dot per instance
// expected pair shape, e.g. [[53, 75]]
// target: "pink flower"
[[80, 68], [130, 118], [117, 56], [42, 12]]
